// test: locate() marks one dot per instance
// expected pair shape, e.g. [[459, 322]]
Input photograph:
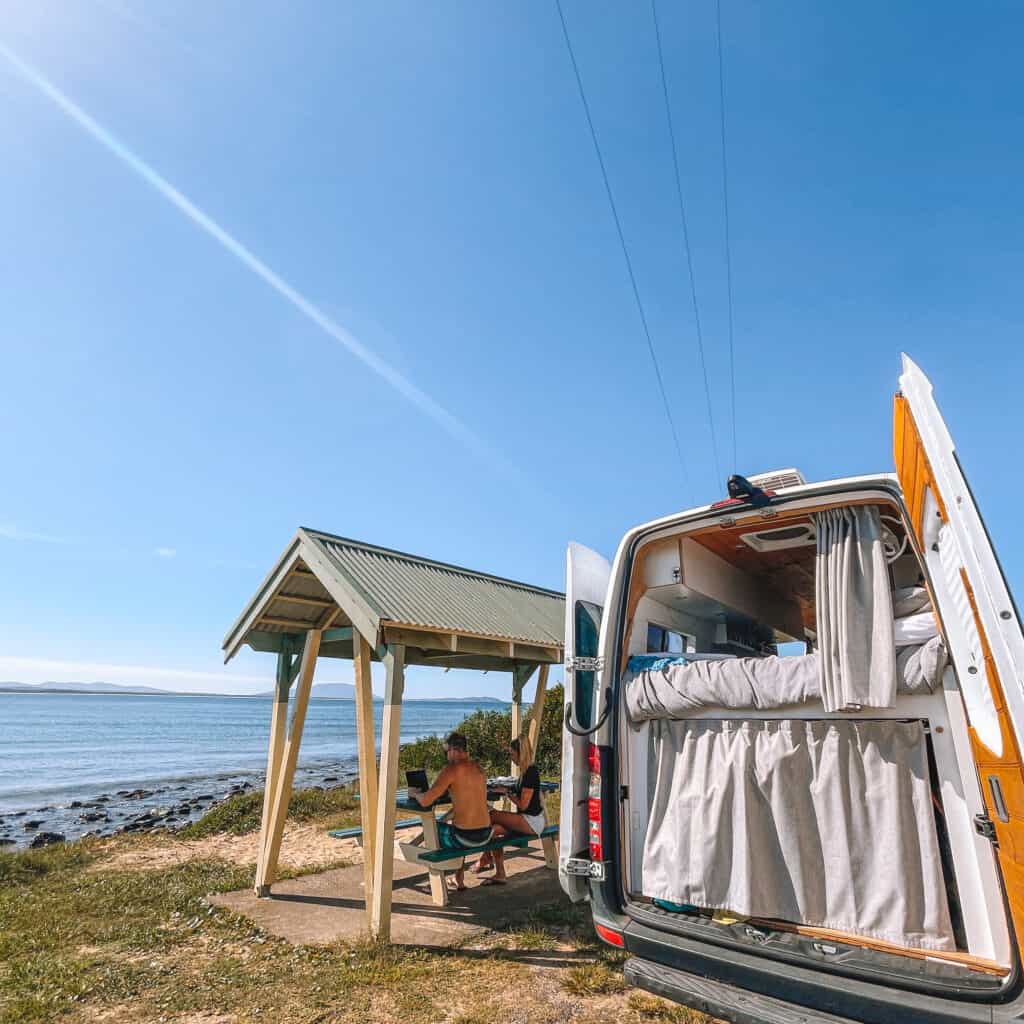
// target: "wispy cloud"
[[165, 552], [10, 531], [389, 374]]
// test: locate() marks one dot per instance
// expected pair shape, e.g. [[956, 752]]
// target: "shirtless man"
[[471, 820]]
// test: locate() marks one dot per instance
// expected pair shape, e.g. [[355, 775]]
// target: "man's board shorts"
[[454, 838]]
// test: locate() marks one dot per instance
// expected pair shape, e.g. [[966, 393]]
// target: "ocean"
[[62, 749]]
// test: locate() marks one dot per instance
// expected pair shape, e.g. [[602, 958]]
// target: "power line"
[[686, 244], [728, 248], [622, 243]]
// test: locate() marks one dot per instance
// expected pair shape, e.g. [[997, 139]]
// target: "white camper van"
[[792, 778]]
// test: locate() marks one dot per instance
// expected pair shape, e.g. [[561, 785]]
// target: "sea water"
[[57, 748]]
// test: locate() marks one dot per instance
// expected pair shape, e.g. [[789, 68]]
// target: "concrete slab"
[[328, 907]]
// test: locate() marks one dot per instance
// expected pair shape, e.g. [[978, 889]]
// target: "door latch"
[[984, 826]]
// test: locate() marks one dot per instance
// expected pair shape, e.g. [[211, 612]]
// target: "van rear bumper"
[[689, 971], [722, 1001]]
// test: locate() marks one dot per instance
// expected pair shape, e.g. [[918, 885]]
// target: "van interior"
[[765, 809]]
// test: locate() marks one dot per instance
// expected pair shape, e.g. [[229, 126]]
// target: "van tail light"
[[594, 805], [612, 937]]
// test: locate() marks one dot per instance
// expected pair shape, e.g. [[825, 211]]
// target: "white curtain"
[[854, 611], [824, 823]]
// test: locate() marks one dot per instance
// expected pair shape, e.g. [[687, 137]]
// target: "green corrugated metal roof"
[[374, 587], [417, 591]]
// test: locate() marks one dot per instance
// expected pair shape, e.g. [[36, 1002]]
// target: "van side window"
[[588, 629], [667, 641]]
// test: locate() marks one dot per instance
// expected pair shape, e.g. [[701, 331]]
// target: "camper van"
[[792, 778]]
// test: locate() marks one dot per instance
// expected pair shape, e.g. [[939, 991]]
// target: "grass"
[[80, 945], [651, 1008], [336, 808], [597, 979]]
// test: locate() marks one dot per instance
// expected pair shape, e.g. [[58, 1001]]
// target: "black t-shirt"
[[530, 779]]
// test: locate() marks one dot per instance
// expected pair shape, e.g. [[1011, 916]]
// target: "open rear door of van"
[[586, 585], [978, 615]]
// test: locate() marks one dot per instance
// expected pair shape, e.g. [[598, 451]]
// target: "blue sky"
[[422, 176]]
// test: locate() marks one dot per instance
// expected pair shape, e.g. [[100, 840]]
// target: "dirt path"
[[303, 846]]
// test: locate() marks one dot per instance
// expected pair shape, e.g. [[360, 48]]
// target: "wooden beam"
[[331, 636], [424, 639], [384, 837], [505, 647], [314, 602], [537, 711], [260, 640], [366, 742], [286, 775], [331, 616], [301, 625], [278, 720]]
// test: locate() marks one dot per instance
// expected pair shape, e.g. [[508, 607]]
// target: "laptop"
[[417, 780]]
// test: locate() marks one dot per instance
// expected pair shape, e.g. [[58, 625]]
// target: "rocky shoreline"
[[170, 806]]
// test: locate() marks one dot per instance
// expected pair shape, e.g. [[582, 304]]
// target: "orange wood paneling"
[[916, 478]]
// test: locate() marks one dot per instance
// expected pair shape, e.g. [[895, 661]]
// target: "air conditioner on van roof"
[[778, 478], [796, 536]]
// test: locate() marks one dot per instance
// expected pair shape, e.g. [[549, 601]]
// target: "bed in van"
[[792, 777]]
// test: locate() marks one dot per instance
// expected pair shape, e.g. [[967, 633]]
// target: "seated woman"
[[527, 819]]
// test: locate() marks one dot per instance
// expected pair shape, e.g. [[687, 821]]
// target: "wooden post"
[[286, 775], [520, 677], [537, 711], [384, 838], [365, 735], [278, 720]]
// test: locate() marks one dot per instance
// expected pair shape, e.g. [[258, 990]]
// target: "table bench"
[[426, 848], [446, 855]]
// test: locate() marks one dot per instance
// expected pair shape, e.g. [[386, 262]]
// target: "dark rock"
[[48, 839], [4, 841], [31, 826], [183, 809], [103, 799], [94, 816], [204, 796], [75, 804], [19, 814], [330, 778], [138, 794]]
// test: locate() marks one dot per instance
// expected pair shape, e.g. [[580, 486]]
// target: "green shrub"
[[241, 814], [488, 734]]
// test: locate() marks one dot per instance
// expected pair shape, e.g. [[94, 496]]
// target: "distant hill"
[[78, 688], [321, 691]]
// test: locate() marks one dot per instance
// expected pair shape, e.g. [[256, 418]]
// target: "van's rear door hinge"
[[984, 826], [583, 868], [578, 663]]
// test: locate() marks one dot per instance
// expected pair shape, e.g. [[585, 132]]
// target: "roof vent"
[[777, 479], [798, 535]]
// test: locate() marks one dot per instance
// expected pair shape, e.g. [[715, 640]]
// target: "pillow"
[[907, 600], [914, 629]]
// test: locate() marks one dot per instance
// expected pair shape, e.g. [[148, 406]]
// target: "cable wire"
[[686, 244], [622, 243], [728, 248]]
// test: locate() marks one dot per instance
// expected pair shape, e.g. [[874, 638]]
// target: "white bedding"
[[675, 687]]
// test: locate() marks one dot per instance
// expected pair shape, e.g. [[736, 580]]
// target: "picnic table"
[[426, 848]]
